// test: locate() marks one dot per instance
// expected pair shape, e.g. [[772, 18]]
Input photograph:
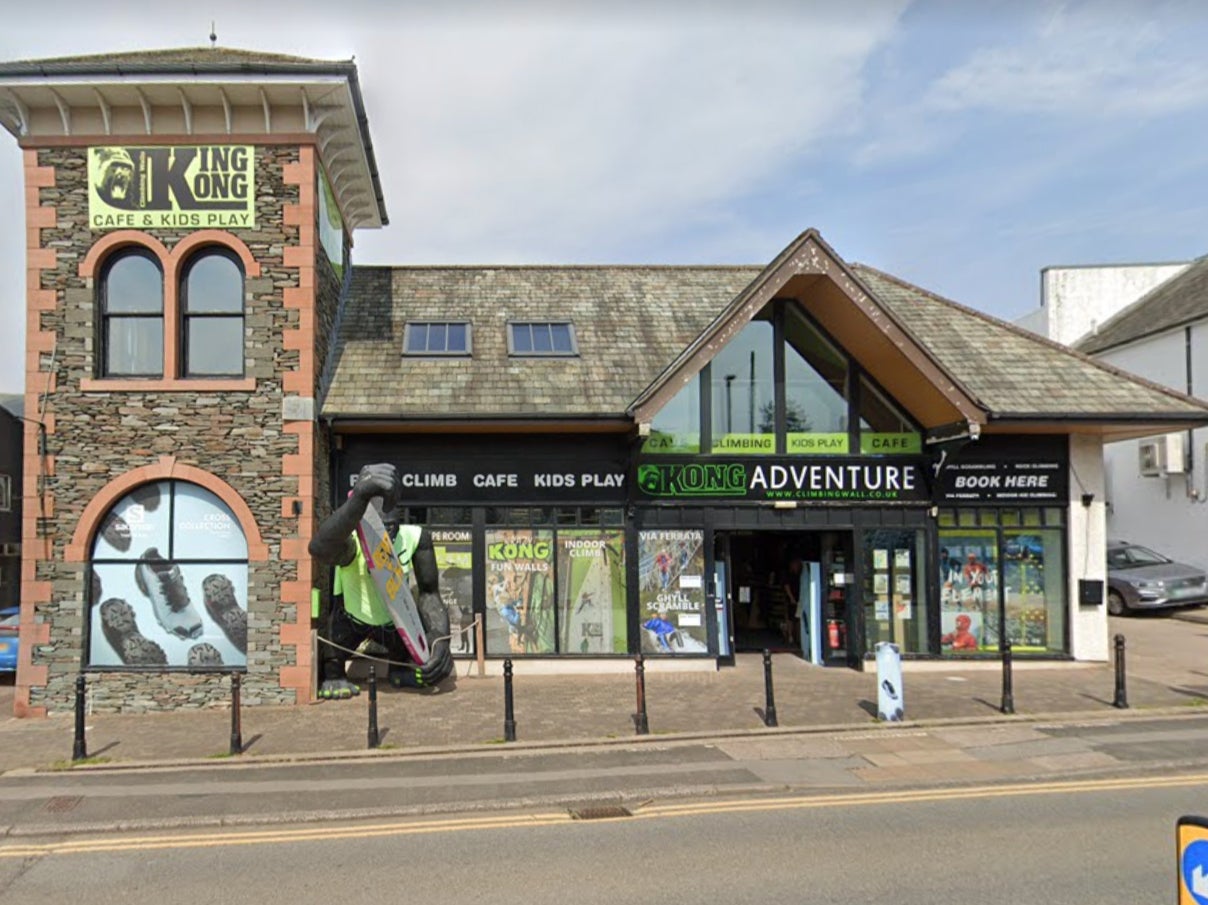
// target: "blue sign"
[[1194, 867]]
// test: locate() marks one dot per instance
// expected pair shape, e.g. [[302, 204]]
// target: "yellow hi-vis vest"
[[361, 600]]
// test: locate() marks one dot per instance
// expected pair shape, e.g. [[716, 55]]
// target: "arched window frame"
[[163, 527], [171, 261], [194, 312], [108, 319]]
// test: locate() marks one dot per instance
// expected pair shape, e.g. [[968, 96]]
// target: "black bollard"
[[640, 724], [1008, 694], [509, 715], [1121, 700], [769, 707], [79, 749], [374, 738], [236, 717]]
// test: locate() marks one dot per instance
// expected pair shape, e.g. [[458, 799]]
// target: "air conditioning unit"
[[1161, 456]]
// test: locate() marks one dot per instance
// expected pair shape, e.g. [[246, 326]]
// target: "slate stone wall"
[[98, 436]]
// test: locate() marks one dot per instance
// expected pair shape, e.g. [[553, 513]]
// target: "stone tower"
[[188, 220]]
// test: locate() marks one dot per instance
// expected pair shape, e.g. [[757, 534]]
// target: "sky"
[[962, 145]]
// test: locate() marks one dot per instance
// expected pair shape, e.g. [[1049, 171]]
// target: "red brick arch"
[[170, 259], [166, 469]]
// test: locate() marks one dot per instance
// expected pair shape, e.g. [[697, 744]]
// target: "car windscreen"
[[1133, 558]]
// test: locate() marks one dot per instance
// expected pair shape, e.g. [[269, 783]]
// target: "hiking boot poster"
[[168, 582]]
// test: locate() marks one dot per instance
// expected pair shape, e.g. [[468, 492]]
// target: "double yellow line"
[[410, 827]]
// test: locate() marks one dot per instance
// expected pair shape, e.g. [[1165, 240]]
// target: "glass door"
[[894, 589]]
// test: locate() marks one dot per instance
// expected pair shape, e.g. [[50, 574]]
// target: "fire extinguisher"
[[835, 633]]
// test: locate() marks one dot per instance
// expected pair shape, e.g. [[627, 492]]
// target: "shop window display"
[[671, 592], [894, 592], [592, 613], [1003, 582], [520, 591], [168, 583], [454, 561]]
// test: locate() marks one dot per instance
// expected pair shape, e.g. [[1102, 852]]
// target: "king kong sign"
[[191, 187]]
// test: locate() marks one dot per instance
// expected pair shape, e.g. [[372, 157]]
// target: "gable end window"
[[538, 338], [132, 316], [437, 338], [6, 493]]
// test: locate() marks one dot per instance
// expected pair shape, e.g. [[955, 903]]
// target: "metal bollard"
[[79, 749], [769, 707], [374, 738], [1121, 700], [236, 716], [1008, 694], [640, 723], [509, 715]]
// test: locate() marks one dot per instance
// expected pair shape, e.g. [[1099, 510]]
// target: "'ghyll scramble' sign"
[[186, 187]]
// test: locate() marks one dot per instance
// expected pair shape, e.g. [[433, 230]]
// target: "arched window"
[[168, 582], [211, 300], [132, 316]]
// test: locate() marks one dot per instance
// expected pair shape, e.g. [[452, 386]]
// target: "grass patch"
[[83, 762]]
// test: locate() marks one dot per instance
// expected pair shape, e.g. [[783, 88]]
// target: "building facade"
[[612, 461], [1157, 486]]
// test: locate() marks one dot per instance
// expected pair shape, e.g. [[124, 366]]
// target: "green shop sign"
[[818, 479]]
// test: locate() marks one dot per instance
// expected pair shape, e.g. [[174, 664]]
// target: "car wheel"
[[1115, 604]]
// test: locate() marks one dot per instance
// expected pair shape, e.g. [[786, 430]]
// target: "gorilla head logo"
[[116, 184]]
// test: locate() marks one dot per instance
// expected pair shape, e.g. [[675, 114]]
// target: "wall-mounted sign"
[[331, 225], [179, 187], [1029, 470], [816, 479], [454, 482]]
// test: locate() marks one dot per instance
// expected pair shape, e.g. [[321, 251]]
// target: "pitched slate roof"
[[1180, 300], [629, 322], [1011, 372], [632, 323]]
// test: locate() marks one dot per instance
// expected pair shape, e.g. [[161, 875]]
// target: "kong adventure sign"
[[180, 187], [849, 479]]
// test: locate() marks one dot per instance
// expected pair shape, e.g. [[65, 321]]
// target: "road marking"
[[278, 835]]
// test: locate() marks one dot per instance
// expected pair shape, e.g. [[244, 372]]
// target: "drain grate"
[[62, 804], [600, 812]]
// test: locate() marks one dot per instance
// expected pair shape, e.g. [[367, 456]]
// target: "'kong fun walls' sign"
[[183, 187]]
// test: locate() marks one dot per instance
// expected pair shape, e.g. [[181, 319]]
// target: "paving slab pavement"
[[1167, 662]]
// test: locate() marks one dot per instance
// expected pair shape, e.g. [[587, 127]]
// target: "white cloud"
[[1086, 60], [559, 139], [538, 131]]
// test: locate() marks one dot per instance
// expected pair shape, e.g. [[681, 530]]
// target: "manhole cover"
[[600, 812], [63, 803]]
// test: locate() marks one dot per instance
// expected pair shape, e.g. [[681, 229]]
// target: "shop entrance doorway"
[[792, 591]]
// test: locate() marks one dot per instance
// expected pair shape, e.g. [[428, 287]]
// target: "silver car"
[[1140, 579]]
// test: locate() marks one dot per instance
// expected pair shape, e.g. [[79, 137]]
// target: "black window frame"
[[185, 317], [411, 330], [515, 351], [105, 319]]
